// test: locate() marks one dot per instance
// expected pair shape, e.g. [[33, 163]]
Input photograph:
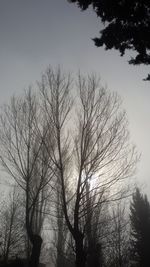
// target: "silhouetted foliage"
[[140, 229], [126, 26]]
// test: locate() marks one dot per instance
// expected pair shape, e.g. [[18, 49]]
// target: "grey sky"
[[36, 33]]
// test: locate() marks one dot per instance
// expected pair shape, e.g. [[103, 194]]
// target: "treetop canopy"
[[126, 26]]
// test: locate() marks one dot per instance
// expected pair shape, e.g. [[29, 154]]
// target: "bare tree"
[[91, 148], [117, 241], [11, 226], [24, 157]]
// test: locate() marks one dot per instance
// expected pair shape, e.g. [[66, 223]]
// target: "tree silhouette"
[[117, 241], [126, 26], [140, 229], [91, 149], [24, 158], [79, 147], [11, 226]]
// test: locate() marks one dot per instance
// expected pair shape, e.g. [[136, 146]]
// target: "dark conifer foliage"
[[126, 26], [140, 229]]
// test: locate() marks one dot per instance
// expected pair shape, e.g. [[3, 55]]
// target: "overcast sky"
[[36, 33]]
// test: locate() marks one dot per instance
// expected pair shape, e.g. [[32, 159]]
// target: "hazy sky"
[[36, 33]]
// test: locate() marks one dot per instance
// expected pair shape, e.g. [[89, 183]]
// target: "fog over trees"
[[67, 148], [140, 228]]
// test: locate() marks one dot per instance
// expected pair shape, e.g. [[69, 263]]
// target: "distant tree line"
[[67, 148], [120, 239]]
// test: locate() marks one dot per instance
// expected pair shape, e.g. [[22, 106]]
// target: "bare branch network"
[[71, 139]]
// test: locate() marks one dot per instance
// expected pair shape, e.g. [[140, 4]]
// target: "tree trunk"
[[80, 252], [94, 258], [6, 257], [36, 250]]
